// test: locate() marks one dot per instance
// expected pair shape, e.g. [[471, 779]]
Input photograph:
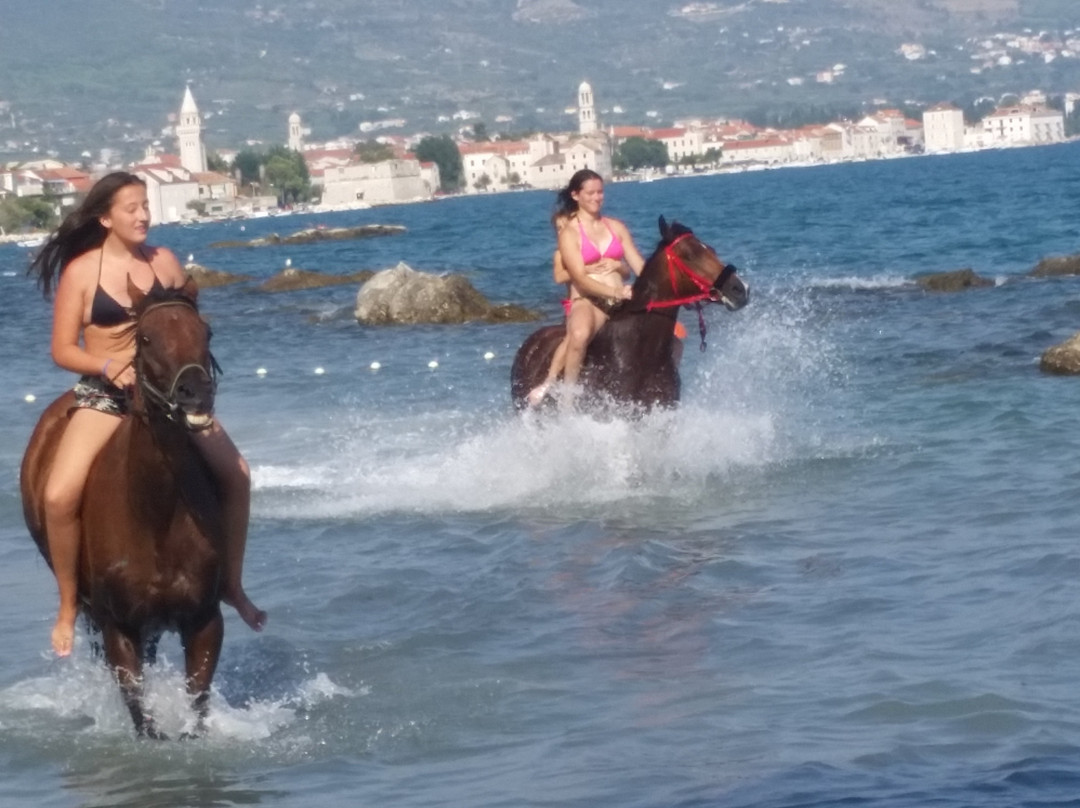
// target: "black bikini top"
[[104, 310]]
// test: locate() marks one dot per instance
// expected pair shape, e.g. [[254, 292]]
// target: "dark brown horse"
[[631, 361], [151, 551]]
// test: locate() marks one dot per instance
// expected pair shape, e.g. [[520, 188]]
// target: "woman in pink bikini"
[[598, 255], [97, 251]]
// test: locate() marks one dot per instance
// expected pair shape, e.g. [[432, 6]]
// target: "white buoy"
[[30, 398], [489, 356], [375, 366], [260, 372], [288, 262], [433, 364], [319, 371], [191, 258]]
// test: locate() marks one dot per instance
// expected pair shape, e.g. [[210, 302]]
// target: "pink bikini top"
[[590, 253]]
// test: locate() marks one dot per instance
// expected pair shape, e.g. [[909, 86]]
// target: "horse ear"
[[190, 289], [664, 229], [136, 294]]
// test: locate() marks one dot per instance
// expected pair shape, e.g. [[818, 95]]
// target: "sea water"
[[843, 571]]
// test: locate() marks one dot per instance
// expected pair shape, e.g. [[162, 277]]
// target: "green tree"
[[287, 174], [215, 163], [371, 151], [1072, 123], [639, 152], [27, 213], [480, 132], [483, 183], [979, 109], [248, 161], [444, 153]]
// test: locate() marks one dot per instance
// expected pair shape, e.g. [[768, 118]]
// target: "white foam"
[[857, 283], [83, 688]]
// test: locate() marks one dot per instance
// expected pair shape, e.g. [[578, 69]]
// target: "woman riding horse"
[[97, 251], [631, 360]]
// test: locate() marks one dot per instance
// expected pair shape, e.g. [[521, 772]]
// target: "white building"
[[189, 135], [943, 128], [680, 142], [544, 161], [296, 133], [169, 190], [587, 124], [1024, 125], [382, 183], [760, 152]]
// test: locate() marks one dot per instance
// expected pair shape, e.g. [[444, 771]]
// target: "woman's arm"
[[630, 250], [558, 271], [68, 308]]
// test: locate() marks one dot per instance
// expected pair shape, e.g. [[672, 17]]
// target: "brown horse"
[[151, 551], [631, 361]]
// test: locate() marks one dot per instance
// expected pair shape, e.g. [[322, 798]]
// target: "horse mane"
[[646, 281], [673, 231], [157, 296]]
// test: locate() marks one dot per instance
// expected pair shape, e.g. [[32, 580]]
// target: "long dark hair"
[[565, 204], [80, 232]]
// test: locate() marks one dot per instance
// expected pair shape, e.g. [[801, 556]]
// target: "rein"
[[707, 292], [167, 400]]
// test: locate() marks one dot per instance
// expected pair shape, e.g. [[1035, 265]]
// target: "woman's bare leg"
[[86, 433], [558, 362], [234, 477], [580, 327]]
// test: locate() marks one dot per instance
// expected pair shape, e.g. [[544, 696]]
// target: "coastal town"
[[183, 187]]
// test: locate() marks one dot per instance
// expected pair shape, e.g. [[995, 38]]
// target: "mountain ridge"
[[116, 72]]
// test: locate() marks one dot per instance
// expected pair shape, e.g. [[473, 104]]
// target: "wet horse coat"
[[631, 360], [151, 550]]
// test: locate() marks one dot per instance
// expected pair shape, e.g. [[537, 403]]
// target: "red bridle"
[[677, 264]]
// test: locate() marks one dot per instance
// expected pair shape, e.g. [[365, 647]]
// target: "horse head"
[[694, 273], [177, 374]]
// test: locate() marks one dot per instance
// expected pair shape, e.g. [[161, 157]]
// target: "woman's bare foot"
[[537, 394], [63, 635], [248, 611]]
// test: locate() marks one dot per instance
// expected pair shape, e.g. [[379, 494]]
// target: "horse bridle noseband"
[[707, 292], [167, 400]]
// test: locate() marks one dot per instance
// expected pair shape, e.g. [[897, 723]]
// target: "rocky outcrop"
[[953, 281], [1056, 265], [291, 279], [207, 278], [313, 234], [404, 296], [1063, 359]]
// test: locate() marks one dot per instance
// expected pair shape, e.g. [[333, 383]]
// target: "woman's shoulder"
[[166, 265], [83, 268]]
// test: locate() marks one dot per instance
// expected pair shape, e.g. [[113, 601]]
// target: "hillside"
[[113, 70]]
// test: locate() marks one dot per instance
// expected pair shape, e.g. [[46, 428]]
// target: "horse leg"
[[202, 648], [122, 654]]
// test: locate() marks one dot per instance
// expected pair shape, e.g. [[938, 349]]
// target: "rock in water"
[[406, 297]]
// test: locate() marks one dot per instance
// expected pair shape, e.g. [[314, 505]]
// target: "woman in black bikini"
[[90, 259]]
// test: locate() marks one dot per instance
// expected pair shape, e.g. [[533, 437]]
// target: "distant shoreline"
[[33, 239]]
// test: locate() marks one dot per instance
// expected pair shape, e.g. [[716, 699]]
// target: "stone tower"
[[586, 110], [189, 134], [296, 133]]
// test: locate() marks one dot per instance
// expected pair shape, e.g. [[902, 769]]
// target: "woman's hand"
[[605, 265], [626, 291], [122, 377]]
